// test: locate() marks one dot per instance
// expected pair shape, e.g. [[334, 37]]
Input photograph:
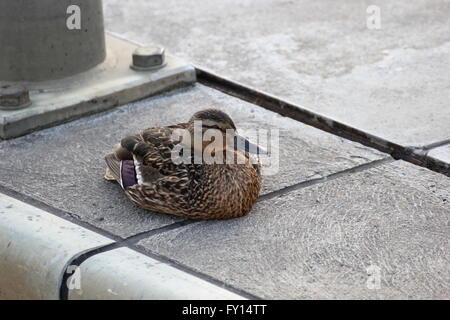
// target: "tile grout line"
[[78, 259], [330, 177], [316, 120], [131, 243], [65, 215], [193, 272], [437, 144], [293, 111]]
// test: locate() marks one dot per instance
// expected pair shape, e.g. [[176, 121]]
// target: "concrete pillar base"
[[108, 85]]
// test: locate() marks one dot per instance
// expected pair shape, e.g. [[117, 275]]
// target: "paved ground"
[[63, 166], [338, 220], [347, 207], [392, 82], [317, 242]]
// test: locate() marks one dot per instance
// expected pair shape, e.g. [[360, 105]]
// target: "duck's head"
[[214, 119]]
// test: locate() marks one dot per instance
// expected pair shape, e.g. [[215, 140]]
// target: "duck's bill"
[[245, 145]]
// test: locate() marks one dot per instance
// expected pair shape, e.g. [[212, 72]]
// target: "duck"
[[164, 169]]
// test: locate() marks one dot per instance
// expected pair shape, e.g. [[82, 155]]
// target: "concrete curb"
[[126, 274], [37, 247]]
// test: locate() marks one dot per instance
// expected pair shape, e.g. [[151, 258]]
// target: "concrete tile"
[[441, 153], [107, 276], [35, 248], [64, 167], [391, 82], [318, 242]]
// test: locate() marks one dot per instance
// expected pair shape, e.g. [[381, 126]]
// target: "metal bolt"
[[13, 97], [148, 58]]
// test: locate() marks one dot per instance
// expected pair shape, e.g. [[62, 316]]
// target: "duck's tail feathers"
[[113, 168]]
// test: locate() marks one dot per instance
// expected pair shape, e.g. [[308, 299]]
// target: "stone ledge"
[[36, 249], [125, 274]]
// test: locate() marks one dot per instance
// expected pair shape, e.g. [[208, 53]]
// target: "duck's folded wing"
[[153, 147], [165, 195]]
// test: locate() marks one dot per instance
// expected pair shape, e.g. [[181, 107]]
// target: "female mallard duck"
[[144, 166]]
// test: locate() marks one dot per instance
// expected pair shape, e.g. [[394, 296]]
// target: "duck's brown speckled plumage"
[[194, 191]]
